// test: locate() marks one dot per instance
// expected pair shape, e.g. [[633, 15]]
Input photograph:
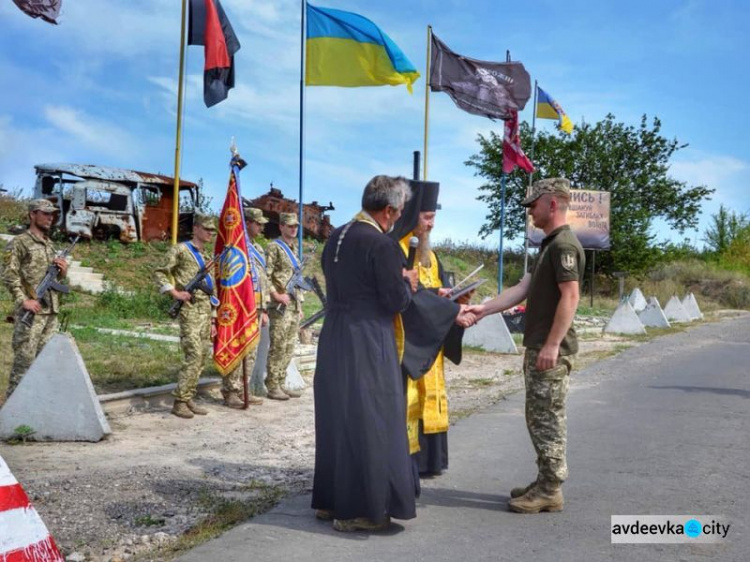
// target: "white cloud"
[[97, 134], [723, 173]]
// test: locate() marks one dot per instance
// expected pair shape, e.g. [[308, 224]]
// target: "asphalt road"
[[661, 429]]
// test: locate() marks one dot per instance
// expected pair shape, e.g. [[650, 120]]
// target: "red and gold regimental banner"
[[237, 318]]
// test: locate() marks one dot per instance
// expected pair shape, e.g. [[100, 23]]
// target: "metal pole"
[[300, 234], [427, 100], [593, 267], [178, 140], [531, 180], [502, 232]]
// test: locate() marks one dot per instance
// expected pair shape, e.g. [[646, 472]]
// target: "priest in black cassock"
[[430, 334], [363, 472]]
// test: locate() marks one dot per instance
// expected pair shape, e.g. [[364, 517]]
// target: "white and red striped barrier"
[[23, 535]]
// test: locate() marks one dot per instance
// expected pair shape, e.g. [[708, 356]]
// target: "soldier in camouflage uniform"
[[281, 262], [197, 318], [232, 387], [25, 262], [552, 290]]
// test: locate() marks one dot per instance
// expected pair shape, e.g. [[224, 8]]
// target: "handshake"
[[469, 314]]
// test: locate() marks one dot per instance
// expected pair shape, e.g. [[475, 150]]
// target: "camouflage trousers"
[[546, 420], [283, 330], [195, 341], [28, 342], [233, 381]]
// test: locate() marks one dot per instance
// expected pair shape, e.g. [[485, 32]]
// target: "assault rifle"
[[49, 283], [297, 282], [199, 282], [322, 312]]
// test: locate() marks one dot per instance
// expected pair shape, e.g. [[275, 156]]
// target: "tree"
[[725, 228], [630, 162]]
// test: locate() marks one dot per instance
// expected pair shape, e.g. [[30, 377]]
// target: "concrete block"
[[624, 321], [675, 312], [294, 380], [692, 308], [491, 334], [653, 316], [56, 397], [637, 300]]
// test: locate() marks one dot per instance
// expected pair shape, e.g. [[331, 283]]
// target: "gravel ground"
[[157, 477]]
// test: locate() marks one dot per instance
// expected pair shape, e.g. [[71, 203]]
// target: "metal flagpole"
[[178, 139], [503, 179], [300, 234], [427, 100], [531, 180]]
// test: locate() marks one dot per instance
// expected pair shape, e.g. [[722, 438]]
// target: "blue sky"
[[101, 88]]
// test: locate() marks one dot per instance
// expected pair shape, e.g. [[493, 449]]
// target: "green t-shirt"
[[560, 259]]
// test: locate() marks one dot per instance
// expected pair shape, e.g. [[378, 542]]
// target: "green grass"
[[223, 514], [116, 363]]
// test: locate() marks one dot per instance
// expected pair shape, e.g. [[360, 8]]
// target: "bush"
[[726, 288], [13, 209]]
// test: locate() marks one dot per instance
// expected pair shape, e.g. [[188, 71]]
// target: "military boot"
[[277, 394], [231, 400], [199, 410], [542, 497], [291, 393], [181, 410], [519, 491]]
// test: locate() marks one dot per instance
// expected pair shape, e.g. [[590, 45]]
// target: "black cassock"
[[362, 463]]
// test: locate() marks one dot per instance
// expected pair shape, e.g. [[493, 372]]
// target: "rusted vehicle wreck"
[[316, 223], [100, 202]]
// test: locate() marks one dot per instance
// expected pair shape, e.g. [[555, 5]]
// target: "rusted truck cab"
[[101, 203], [316, 223]]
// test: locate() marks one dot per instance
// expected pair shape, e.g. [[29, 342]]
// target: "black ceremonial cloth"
[[362, 463], [429, 325]]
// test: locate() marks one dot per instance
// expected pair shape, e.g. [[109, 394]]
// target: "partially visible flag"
[[237, 318], [209, 26], [548, 108], [489, 89], [48, 10], [346, 49], [513, 154]]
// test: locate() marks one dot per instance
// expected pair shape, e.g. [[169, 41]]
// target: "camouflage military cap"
[[205, 221], [44, 205], [255, 215], [290, 219], [553, 186]]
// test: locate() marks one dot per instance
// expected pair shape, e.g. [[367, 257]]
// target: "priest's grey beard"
[[423, 250]]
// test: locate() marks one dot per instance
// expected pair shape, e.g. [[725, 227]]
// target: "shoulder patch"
[[568, 261]]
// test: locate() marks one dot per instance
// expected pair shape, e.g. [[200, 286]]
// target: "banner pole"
[[593, 267], [301, 217], [178, 139], [503, 179], [531, 181], [427, 100]]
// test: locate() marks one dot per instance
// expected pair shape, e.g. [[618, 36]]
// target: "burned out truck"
[[102, 203], [316, 223]]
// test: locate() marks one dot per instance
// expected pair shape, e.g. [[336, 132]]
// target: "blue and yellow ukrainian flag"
[[548, 108], [346, 49]]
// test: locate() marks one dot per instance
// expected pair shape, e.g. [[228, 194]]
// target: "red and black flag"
[[209, 26], [48, 10]]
